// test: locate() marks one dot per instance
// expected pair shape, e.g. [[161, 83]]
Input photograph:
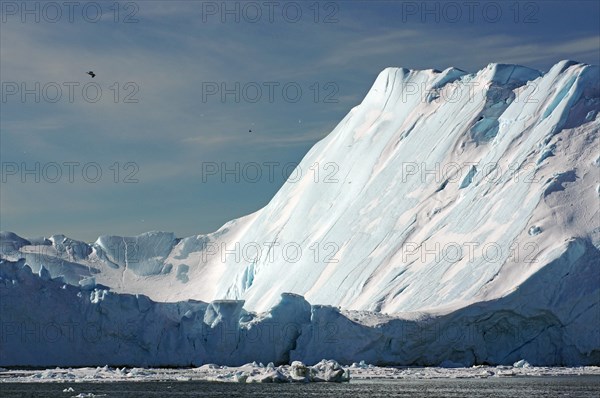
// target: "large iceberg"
[[449, 218]]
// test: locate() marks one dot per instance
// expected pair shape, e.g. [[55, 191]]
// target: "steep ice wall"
[[433, 198], [48, 323]]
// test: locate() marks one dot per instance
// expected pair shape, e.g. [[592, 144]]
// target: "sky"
[[200, 110]]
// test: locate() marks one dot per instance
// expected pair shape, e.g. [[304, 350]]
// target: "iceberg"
[[455, 222]]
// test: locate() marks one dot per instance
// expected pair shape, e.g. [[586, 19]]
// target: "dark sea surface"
[[518, 387]]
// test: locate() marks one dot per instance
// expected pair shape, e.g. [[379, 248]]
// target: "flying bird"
[[92, 74]]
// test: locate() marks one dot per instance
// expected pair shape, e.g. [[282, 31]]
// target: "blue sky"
[[165, 127]]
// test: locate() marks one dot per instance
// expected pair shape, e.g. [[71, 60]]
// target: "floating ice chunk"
[[270, 376], [362, 365], [208, 366], [521, 364], [299, 371], [139, 372], [330, 371], [240, 377]]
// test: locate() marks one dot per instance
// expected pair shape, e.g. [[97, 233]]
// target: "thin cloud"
[[453, 49]]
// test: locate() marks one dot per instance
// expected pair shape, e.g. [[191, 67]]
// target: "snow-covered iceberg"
[[454, 219]]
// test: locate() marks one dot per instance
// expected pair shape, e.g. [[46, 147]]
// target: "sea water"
[[517, 387]]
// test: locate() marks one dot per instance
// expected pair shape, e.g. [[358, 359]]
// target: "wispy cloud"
[[405, 48]]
